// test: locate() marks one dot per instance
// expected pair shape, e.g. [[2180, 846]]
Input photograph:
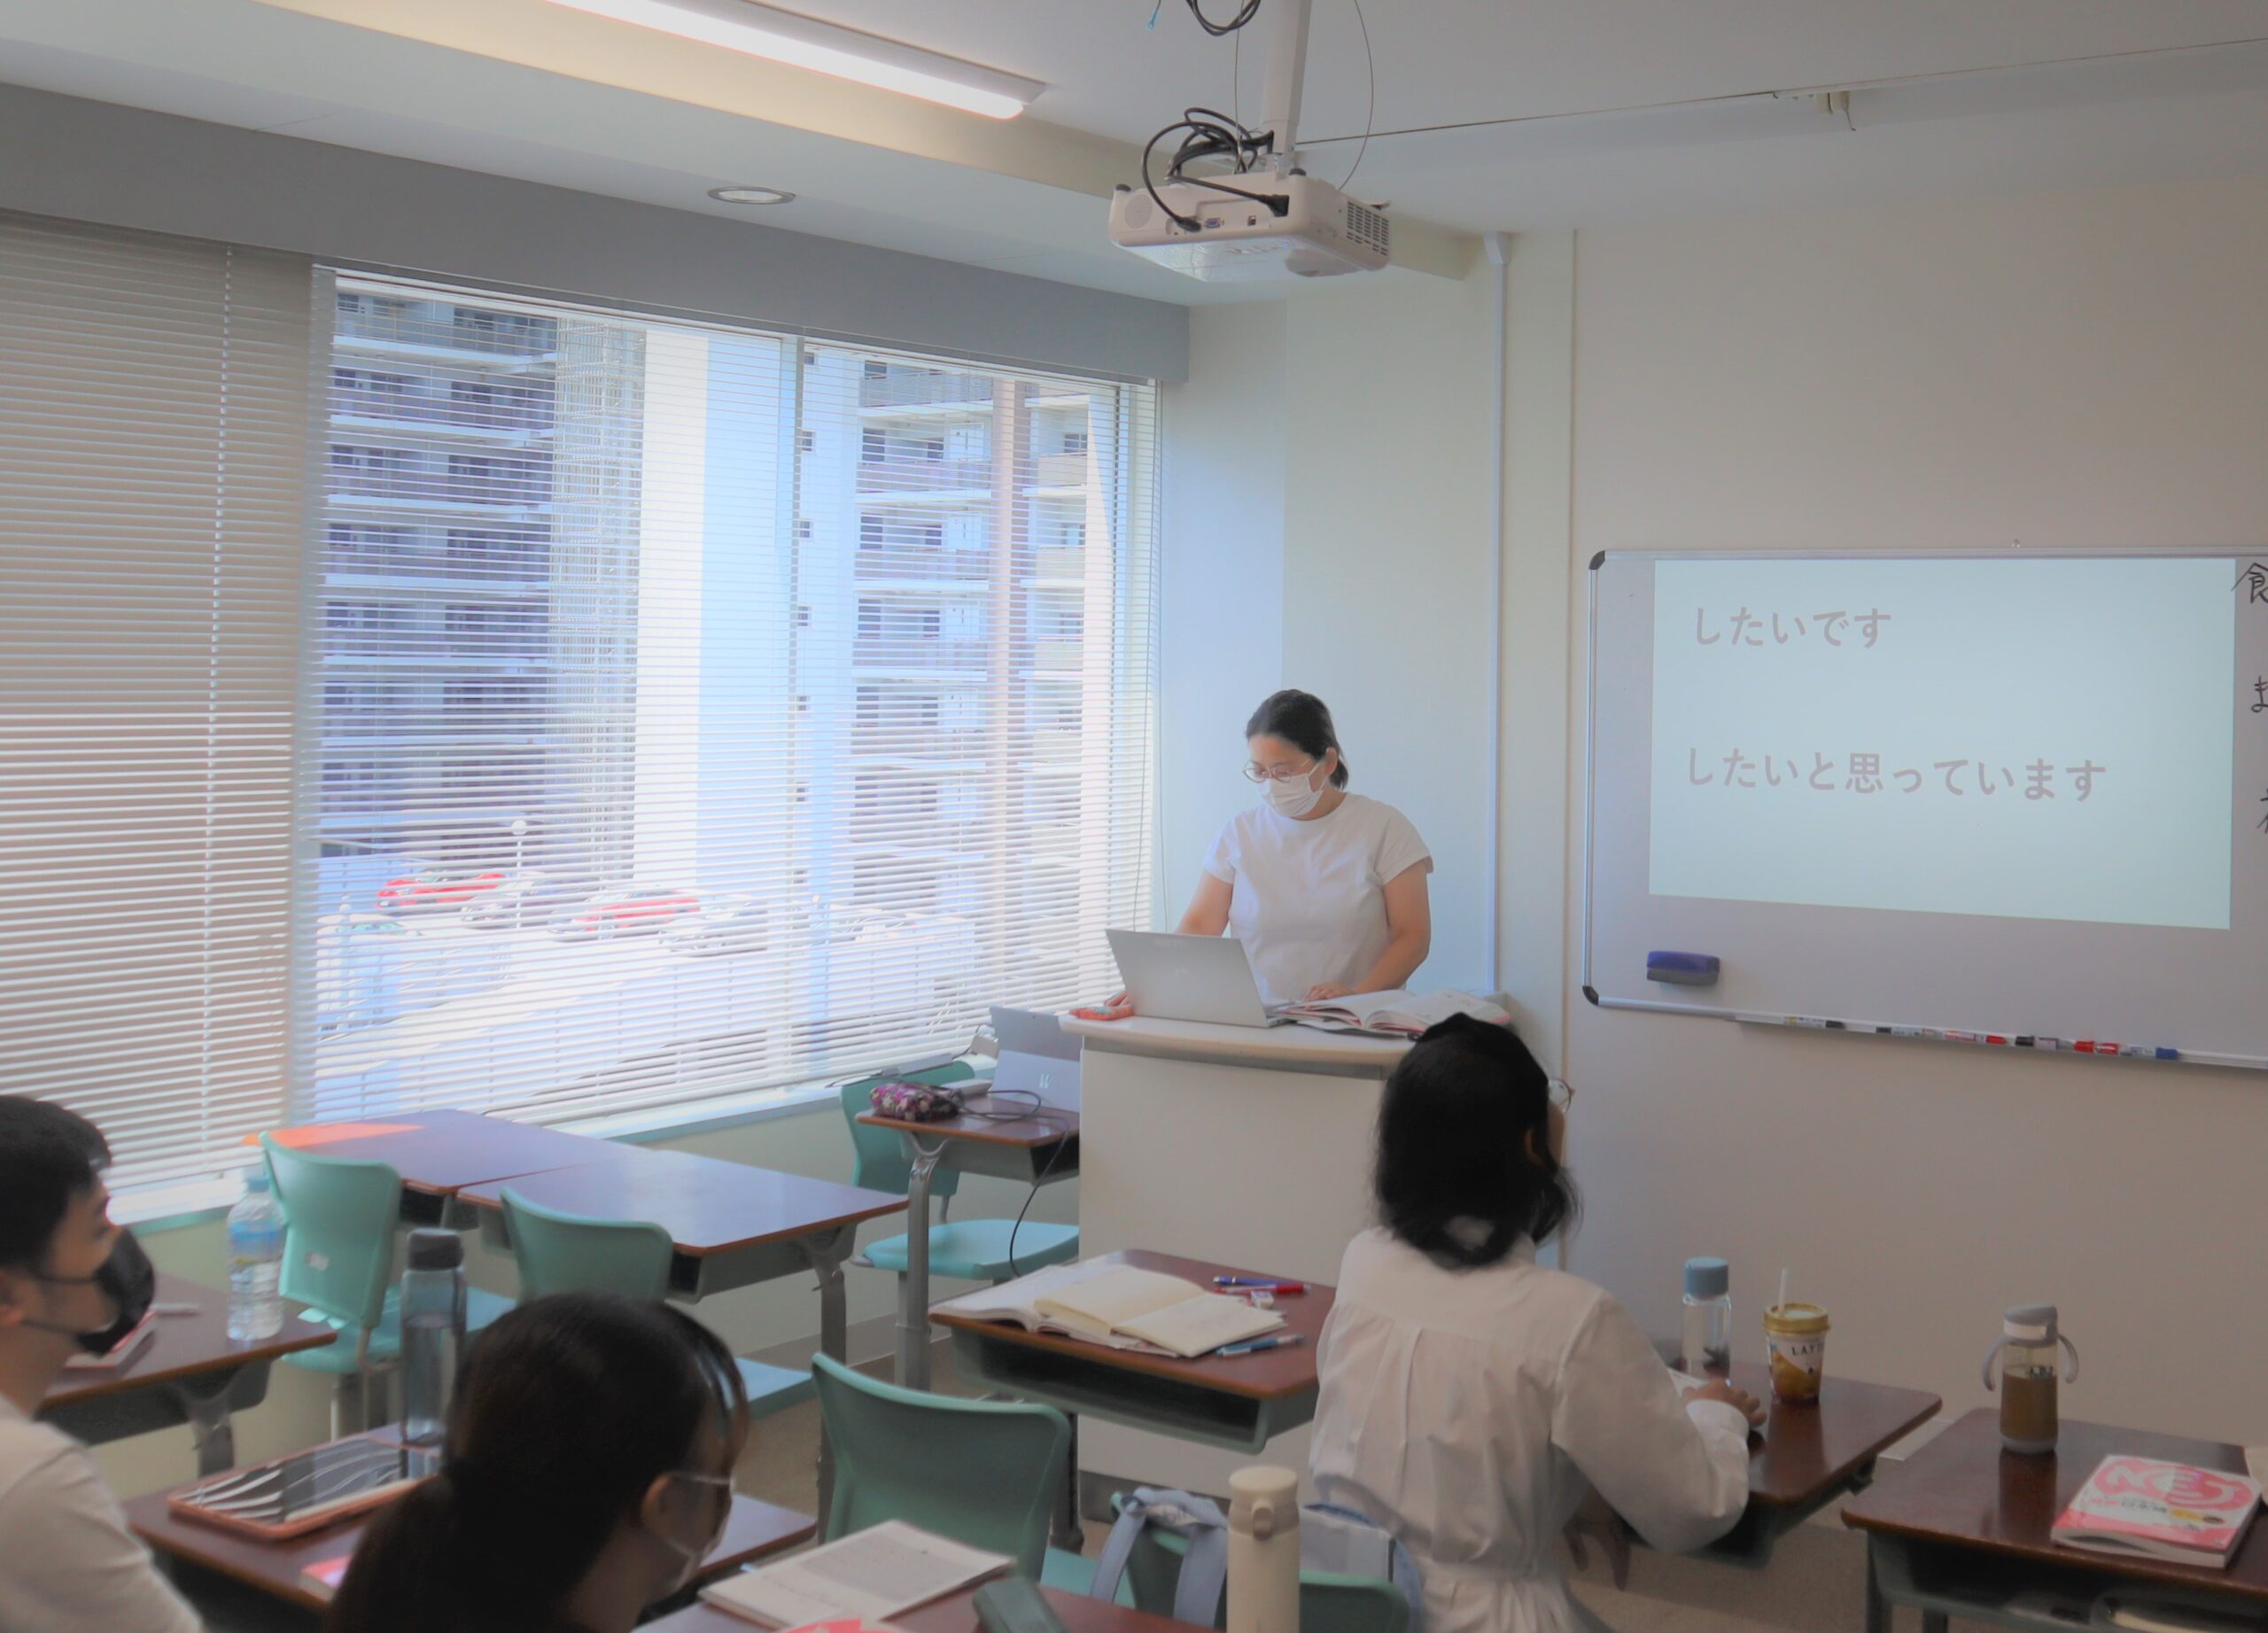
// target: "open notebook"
[[870, 1574], [1120, 1306], [1396, 1013]]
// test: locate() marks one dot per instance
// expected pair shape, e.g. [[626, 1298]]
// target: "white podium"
[[1246, 1146]]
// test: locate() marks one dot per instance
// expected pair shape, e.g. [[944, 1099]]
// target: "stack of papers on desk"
[[1120, 1307], [869, 1576], [1396, 1013]]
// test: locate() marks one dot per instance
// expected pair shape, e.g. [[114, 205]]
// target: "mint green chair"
[[960, 1249], [339, 1216], [565, 1253], [988, 1473], [1329, 1602]]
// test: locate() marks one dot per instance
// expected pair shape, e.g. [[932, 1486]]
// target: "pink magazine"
[[2167, 1510]]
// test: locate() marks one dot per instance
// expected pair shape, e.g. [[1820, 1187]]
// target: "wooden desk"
[[1238, 1401], [754, 1530], [1809, 1456], [437, 1154], [1034, 1150], [192, 1372], [732, 1226], [1961, 1525], [955, 1614]]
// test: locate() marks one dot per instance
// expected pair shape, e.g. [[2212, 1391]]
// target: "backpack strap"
[[1204, 1567], [1402, 1569]]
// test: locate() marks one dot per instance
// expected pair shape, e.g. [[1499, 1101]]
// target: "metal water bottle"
[[1263, 1551]]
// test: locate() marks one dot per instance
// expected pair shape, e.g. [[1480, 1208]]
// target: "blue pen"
[[1281, 1341]]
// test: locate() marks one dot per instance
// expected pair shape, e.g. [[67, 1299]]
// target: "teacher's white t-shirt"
[[1307, 900]]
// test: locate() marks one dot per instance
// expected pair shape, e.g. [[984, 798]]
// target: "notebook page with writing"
[[1197, 1325], [871, 1574], [1114, 1298]]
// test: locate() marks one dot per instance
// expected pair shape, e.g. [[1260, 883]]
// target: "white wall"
[[1329, 525], [2072, 369]]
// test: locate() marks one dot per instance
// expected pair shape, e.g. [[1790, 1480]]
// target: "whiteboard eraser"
[[1683, 968]]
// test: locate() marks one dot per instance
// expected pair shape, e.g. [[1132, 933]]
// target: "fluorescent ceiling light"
[[829, 48]]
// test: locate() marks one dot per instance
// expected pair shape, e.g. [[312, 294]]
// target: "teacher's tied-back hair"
[[1465, 1168], [567, 1411], [1301, 720]]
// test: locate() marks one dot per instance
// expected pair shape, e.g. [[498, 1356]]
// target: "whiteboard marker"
[[1912, 1031], [1951, 1036]]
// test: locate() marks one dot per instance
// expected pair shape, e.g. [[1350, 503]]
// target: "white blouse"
[[1470, 1412]]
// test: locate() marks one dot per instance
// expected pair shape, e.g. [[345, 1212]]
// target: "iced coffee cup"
[[1795, 1339]]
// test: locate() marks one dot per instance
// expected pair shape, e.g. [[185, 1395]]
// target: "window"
[[809, 687], [148, 652]]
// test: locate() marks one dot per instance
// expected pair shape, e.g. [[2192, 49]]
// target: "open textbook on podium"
[[1393, 1013]]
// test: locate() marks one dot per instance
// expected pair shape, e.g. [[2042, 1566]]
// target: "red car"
[[635, 911], [432, 889]]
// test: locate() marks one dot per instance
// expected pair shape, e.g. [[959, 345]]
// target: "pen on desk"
[[1259, 1284], [1282, 1341], [175, 1310]]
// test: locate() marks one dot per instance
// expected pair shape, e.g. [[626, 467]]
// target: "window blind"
[[702, 710], [153, 454]]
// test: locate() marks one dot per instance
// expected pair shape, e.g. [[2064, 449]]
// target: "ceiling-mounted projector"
[[1270, 226], [1250, 214]]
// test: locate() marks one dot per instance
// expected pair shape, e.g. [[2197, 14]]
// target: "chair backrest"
[[1329, 1602], [566, 1253], [339, 1215], [882, 1152], [988, 1473]]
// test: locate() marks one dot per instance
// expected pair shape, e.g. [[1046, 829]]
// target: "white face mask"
[[693, 1557], [1292, 797]]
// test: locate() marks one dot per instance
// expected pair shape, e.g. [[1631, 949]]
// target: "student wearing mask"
[[587, 1473], [1325, 889], [1474, 1403], [69, 1280]]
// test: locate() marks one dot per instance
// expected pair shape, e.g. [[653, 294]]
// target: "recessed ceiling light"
[[829, 48], [751, 195]]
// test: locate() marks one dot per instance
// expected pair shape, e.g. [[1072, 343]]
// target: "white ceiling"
[[1571, 112]]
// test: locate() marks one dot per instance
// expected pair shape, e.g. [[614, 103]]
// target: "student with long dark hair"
[[1325, 889], [1472, 1402], [587, 1472]]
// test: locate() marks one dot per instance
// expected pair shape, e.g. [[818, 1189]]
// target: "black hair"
[[48, 1156], [567, 1410], [1464, 1162], [1303, 720]]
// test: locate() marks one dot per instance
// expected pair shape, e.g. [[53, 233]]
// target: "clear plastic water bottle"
[[1707, 1343], [432, 1332], [255, 1261]]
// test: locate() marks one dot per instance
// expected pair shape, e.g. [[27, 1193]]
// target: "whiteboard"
[[1957, 889]]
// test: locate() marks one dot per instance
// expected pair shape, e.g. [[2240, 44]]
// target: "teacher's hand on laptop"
[[1174, 978]]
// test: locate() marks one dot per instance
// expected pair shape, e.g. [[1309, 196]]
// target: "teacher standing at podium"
[[1325, 889]]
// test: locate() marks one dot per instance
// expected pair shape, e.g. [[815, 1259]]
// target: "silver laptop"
[[1036, 1055], [1173, 977]]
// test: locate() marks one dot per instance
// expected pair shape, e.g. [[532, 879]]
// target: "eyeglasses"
[[1256, 772], [1563, 1095]]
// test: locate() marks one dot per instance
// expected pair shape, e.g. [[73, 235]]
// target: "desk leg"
[[913, 1297], [1068, 1534], [212, 1428], [1877, 1606], [834, 1343]]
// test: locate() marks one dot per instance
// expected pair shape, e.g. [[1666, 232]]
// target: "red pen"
[[1253, 1284]]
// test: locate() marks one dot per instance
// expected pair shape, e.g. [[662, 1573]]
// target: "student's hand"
[[1322, 991], [1118, 1007], [1718, 1389], [1597, 1520]]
